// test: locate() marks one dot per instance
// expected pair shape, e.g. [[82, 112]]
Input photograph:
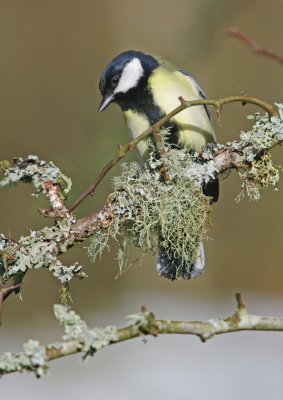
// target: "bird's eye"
[[115, 80]]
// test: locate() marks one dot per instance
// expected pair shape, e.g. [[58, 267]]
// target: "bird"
[[146, 88]]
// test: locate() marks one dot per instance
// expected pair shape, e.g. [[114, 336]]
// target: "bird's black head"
[[124, 76]]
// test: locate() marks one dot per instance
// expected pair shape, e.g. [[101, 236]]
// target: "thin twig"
[[122, 150], [257, 49]]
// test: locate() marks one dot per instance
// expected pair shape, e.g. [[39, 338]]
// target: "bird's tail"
[[171, 267]]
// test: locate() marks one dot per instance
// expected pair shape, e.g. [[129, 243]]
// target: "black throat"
[[140, 99]]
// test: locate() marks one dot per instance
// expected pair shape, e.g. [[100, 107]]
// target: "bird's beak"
[[106, 100]]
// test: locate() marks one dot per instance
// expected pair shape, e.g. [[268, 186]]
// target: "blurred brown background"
[[52, 54]]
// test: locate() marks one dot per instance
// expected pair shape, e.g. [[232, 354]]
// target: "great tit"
[[147, 88]]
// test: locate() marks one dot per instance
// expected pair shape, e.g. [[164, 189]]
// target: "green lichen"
[[33, 170], [76, 329], [98, 245], [40, 249], [144, 321], [33, 358], [66, 273], [150, 212], [259, 174], [259, 171]]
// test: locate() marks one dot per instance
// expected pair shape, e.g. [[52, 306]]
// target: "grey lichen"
[[66, 273], [144, 321], [259, 174], [75, 328], [265, 133], [200, 172], [98, 245], [146, 211], [37, 250], [150, 212], [259, 171], [34, 170], [33, 358], [40, 248]]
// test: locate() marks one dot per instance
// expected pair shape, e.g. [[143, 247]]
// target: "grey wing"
[[198, 89], [211, 188]]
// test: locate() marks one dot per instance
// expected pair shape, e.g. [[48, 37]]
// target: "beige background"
[[51, 56]]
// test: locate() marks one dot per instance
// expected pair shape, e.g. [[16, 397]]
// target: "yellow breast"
[[194, 126], [137, 123], [195, 129]]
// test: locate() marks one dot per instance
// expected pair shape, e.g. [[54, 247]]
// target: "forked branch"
[[122, 150]]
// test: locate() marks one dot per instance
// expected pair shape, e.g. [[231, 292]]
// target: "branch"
[[88, 341], [122, 215], [55, 197], [122, 150], [244, 153], [257, 49], [139, 186]]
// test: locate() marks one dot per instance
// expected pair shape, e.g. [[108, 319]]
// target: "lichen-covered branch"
[[161, 203], [78, 338], [122, 150], [210, 162], [35, 171], [54, 195], [143, 210], [41, 248]]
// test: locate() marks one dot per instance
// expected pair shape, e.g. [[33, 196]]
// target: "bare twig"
[[257, 49], [240, 301], [122, 150]]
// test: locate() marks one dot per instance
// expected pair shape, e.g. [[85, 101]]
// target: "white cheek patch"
[[130, 77]]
